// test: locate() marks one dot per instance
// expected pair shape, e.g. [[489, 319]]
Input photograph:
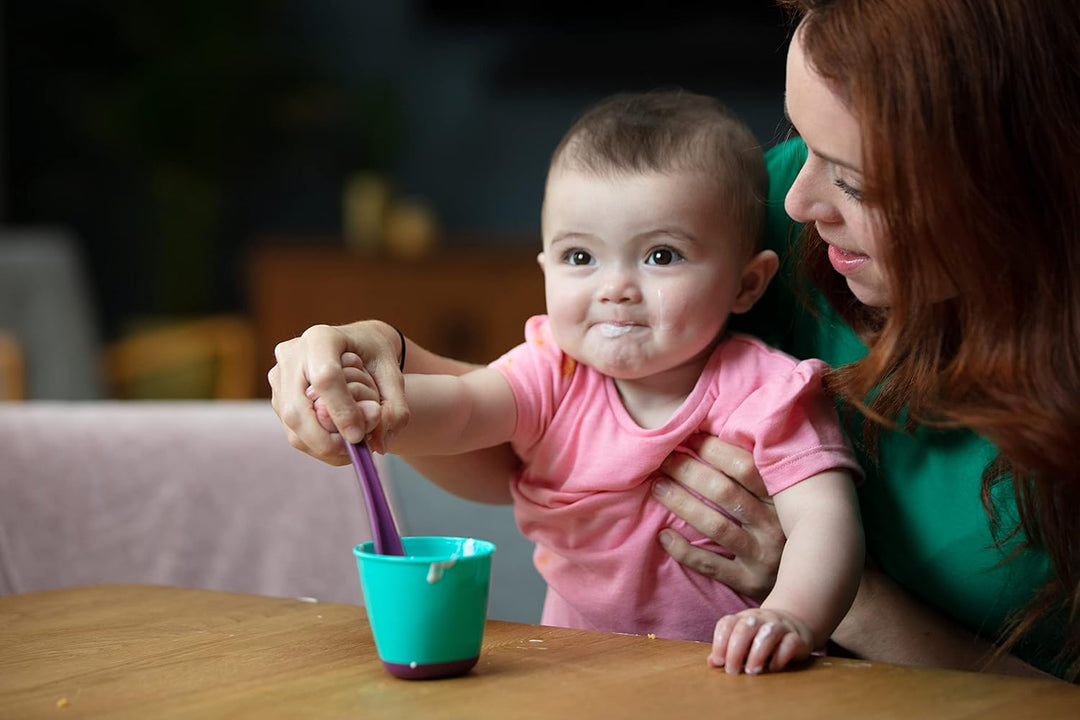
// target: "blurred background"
[[184, 184]]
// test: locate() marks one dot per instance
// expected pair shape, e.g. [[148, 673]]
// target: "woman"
[[940, 186]]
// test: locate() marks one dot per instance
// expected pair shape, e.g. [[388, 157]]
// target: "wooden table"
[[140, 651]]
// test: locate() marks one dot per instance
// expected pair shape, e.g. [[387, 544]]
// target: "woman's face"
[[828, 189]]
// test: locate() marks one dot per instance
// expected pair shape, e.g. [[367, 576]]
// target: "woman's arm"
[[321, 360], [885, 623]]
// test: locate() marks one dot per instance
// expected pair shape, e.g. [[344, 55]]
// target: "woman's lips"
[[845, 262]]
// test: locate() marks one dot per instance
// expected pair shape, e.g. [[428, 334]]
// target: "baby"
[[650, 222]]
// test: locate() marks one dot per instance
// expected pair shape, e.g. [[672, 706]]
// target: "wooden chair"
[[211, 357], [12, 374]]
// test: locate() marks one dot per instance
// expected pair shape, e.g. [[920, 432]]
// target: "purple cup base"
[[428, 671]]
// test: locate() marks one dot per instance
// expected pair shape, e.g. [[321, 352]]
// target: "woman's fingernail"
[[665, 539], [661, 488]]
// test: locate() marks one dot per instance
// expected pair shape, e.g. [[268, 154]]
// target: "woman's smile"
[[846, 262]]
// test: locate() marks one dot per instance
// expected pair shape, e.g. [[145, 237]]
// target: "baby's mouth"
[[613, 330]]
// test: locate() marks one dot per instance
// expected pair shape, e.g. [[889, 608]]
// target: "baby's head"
[[653, 212], [668, 132]]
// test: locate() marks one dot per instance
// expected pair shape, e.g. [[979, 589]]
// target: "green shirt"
[[921, 505]]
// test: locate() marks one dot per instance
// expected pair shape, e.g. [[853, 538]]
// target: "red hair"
[[969, 113]]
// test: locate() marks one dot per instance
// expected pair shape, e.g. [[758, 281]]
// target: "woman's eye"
[[853, 193], [662, 256], [578, 257]]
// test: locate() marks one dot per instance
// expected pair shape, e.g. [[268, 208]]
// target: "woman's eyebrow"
[[827, 158]]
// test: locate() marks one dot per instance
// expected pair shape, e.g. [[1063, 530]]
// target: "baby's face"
[[641, 271]]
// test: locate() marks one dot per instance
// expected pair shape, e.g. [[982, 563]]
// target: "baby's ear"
[[540, 261], [756, 276]]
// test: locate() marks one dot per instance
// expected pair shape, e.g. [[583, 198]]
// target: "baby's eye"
[[577, 256], [663, 256]]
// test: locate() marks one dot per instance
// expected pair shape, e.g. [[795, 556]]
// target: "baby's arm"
[[451, 414], [816, 583]]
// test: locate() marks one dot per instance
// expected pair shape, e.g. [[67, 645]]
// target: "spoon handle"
[[383, 530]]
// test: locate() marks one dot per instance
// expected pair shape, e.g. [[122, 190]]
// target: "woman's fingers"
[[324, 347], [745, 524], [288, 384], [352, 370], [704, 562], [688, 473], [733, 461]]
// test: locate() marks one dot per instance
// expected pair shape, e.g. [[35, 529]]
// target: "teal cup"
[[427, 608]]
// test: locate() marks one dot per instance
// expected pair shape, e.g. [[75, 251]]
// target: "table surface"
[[149, 651]]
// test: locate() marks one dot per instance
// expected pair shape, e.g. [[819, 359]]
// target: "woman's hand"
[[345, 367], [728, 479]]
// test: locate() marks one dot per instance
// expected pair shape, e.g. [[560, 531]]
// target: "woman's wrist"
[[408, 355]]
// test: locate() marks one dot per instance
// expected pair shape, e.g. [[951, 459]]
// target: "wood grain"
[[148, 651]]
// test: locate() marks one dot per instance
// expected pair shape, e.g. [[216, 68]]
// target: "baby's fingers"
[[791, 648], [738, 643], [765, 642], [718, 655], [369, 412]]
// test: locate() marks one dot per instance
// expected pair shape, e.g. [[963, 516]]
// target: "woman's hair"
[[672, 131], [971, 160]]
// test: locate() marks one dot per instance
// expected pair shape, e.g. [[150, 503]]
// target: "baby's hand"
[[757, 640], [363, 390]]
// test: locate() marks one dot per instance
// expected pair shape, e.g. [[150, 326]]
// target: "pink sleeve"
[[538, 373], [792, 428]]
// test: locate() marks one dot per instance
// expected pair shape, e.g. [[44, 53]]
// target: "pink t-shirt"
[[584, 497]]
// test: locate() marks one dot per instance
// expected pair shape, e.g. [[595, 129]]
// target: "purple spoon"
[[383, 530]]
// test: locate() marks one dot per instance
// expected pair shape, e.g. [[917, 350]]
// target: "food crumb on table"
[[651, 636], [62, 702]]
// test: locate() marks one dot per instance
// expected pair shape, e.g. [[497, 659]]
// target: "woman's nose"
[[807, 199]]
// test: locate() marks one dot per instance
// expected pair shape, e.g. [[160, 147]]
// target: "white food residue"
[[436, 569]]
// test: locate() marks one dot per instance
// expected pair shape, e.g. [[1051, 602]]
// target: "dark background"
[[169, 137]]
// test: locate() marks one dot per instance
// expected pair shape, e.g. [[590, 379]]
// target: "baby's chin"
[[621, 366]]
